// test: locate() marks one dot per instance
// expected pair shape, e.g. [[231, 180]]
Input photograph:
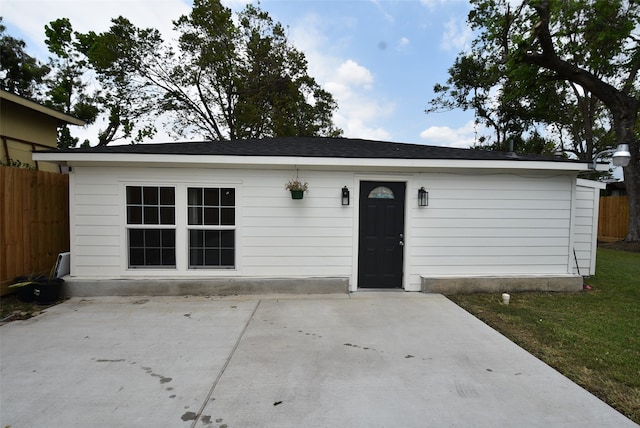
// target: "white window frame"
[[206, 227], [143, 226]]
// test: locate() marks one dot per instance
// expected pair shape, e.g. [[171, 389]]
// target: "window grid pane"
[[211, 248], [152, 247], [205, 206], [150, 205], [154, 206]]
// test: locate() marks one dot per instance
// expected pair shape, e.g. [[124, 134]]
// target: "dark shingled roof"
[[312, 147]]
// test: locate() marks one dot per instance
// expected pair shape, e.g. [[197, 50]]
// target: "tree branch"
[[633, 73], [548, 58]]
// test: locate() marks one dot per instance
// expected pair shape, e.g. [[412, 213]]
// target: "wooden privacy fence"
[[34, 222], [613, 219]]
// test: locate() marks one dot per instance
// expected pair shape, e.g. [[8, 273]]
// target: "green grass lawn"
[[592, 337]]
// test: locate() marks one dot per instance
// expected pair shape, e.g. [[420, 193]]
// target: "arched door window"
[[381, 192]]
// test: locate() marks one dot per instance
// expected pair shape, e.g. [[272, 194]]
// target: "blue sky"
[[379, 58]]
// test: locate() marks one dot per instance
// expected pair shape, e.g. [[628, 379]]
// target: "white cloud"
[[350, 72], [235, 3], [457, 35], [356, 128], [403, 43], [390, 18], [463, 137], [351, 84], [30, 16], [432, 4]]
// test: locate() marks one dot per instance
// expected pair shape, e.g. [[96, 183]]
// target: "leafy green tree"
[[518, 105], [20, 73], [226, 79], [244, 80], [570, 64], [126, 98], [480, 85], [67, 86]]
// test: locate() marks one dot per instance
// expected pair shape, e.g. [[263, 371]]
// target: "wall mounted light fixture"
[[423, 197], [345, 196], [620, 156]]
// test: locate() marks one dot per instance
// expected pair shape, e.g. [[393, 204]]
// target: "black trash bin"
[[47, 291]]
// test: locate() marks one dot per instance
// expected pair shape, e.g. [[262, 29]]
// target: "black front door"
[[381, 234]]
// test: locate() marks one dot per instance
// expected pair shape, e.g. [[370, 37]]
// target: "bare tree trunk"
[[632, 183], [631, 179], [624, 121]]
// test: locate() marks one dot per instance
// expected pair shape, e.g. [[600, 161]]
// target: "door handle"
[[401, 243]]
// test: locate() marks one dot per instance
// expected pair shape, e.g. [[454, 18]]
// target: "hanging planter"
[[297, 194], [297, 188]]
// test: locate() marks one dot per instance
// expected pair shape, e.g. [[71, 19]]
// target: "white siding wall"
[[286, 237], [277, 236], [95, 223], [491, 224], [475, 224], [586, 226]]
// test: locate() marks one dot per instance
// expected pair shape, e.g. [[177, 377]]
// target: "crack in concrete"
[[224, 367]]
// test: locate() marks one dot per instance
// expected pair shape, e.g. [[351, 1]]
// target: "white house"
[[214, 217]]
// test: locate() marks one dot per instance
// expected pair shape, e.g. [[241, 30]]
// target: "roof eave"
[[61, 117], [78, 159]]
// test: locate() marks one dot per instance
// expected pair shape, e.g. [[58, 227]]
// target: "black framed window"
[[210, 248], [211, 220], [151, 230]]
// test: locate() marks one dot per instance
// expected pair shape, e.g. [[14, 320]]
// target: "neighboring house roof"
[[61, 117], [303, 151]]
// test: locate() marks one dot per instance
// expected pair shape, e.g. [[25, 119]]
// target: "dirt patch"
[[633, 246], [12, 309]]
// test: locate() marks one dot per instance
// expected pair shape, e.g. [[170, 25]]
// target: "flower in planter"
[[295, 184]]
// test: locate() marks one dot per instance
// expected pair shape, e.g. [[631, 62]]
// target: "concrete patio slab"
[[361, 360]]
